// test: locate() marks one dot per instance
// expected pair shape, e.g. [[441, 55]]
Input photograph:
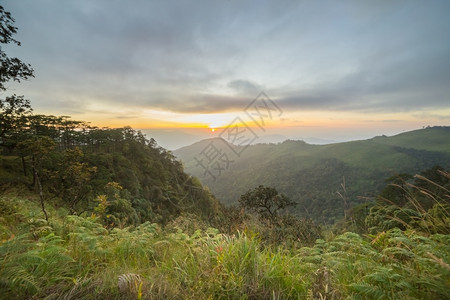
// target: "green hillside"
[[312, 174], [429, 139]]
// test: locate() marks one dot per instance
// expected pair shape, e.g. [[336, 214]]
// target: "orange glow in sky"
[[212, 122]]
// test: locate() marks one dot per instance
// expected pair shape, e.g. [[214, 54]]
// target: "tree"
[[14, 117], [11, 68], [13, 109], [265, 201], [37, 148], [114, 209], [74, 177]]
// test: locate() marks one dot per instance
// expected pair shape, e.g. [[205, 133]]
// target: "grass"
[[74, 257], [430, 139]]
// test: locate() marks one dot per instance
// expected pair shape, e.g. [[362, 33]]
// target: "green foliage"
[[75, 257], [72, 178], [30, 267], [395, 192], [14, 111], [356, 220], [291, 229], [420, 205]]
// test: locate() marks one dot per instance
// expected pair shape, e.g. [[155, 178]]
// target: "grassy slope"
[[313, 173], [430, 139]]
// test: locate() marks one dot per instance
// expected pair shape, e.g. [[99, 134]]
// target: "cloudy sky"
[[336, 69]]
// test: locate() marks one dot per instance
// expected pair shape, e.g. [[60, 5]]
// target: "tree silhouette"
[[11, 68], [13, 109], [266, 201]]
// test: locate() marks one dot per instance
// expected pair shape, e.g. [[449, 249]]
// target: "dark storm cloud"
[[214, 56]]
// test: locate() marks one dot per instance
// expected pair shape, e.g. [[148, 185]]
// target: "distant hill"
[[312, 174]]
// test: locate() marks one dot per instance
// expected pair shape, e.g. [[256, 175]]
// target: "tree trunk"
[[37, 184], [24, 166], [33, 165], [41, 197]]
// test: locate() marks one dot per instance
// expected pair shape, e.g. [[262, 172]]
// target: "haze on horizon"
[[337, 70]]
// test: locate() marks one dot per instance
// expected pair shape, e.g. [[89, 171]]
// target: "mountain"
[[312, 175]]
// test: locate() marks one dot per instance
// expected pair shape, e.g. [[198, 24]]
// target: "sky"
[[334, 70]]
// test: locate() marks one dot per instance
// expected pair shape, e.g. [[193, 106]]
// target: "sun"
[[213, 129]]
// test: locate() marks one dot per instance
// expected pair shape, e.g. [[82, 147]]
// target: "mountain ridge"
[[312, 174]]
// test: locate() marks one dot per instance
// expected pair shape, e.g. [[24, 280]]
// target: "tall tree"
[[13, 109], [11, 68]]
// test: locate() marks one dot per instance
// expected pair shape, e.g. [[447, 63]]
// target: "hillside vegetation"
[[83, 166], [312, 175], [78, 257]]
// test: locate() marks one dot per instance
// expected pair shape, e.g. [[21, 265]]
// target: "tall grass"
[[425, 209], [73, 257]]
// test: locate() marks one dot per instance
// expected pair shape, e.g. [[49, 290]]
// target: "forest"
[[91, 213]]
